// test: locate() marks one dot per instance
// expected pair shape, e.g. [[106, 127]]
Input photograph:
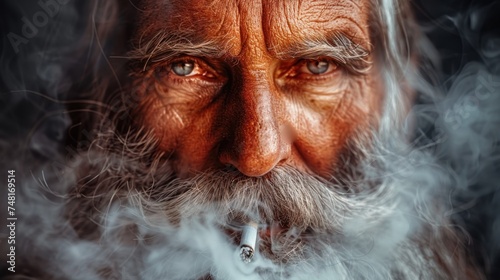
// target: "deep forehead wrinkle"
[[269, 26], [294, 21], [213, 21]]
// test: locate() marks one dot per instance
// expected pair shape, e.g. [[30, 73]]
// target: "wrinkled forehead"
[[279, 23]]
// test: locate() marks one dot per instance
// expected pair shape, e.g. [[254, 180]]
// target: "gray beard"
[[120, 212]]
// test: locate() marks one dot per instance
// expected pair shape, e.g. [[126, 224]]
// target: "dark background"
[[465, 32]]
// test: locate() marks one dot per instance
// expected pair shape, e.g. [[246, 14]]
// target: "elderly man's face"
[[258, 123], [257, 84]]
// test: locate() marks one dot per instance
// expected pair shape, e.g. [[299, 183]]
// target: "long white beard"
[[124, 215]]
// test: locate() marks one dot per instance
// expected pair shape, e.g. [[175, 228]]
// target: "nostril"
[[230, 168]]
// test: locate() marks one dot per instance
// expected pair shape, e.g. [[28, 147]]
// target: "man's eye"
[[183, 68], [318, 67]]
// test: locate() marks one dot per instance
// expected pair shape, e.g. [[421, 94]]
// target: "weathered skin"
[[252, 108]]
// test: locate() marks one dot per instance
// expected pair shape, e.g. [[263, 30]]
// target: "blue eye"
[[317, 67], [183, 68]]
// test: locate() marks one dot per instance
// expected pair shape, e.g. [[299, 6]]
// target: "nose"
[[257, 141]]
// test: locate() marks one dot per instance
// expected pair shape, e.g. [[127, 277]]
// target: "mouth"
[[270, 240], [264, 231]]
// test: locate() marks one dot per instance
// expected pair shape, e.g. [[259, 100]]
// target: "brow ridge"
[[338, 47], [164, 46]]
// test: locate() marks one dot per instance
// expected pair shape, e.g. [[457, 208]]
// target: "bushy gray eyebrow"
[[164, 46], [338, 47]]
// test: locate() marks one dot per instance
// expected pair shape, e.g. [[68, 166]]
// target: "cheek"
[[186, 133], [175, 112], [320, 139], [323, 132], [165, 121], [369, 103], [159, 114]]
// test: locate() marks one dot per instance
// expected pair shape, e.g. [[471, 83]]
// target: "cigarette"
[[248, 241]]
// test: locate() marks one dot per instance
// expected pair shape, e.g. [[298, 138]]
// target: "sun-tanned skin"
[[256, 104]]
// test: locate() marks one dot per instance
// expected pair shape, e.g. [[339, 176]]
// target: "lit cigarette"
[[248, 240]]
